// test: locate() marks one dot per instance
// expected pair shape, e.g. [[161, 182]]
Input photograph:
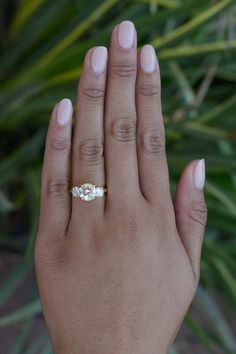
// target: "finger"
[[55, 196], [120, 114], [191, 211], [88, 159], [152, 162]]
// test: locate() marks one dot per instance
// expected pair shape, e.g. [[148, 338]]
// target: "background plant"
[[42, 46]]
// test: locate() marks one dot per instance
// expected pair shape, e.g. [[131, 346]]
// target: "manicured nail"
[[126, 34], [64, 111], [199, 174], [148, 58], [99, 60]]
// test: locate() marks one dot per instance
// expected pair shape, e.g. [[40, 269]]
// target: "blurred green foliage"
[[43, 43]]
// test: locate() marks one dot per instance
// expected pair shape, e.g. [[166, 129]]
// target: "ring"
[[88, 191]]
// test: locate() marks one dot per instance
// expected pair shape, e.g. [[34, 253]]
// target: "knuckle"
[[91, 150], [57, 187], [93, 94], [163, 220], [50, 253], [148, 90], [196, 272], [60, 144], [124, 70], [198, 213], [124, 129], [128, 237], [153, 142]]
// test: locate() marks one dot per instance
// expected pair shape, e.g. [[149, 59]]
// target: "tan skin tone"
[[116, 274]]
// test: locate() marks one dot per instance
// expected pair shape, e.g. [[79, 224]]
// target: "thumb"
[[191, 211]]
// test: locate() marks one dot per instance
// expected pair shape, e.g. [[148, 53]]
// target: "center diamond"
[[87, 191]]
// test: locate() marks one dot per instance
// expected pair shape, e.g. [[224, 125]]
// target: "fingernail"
[[199, 174], [148, 58], [64, 111], [126, 34], [99, 60]]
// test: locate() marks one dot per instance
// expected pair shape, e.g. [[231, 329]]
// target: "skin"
[[117, 274]]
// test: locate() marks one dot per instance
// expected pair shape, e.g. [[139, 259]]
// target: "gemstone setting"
[[99, 191], [88, 192]]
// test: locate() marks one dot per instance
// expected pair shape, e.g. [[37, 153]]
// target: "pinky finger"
[[55, 196]]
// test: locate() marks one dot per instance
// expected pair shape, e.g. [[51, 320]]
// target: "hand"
[[116, 274]]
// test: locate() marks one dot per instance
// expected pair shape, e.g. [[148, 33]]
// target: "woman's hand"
[[116, 274]]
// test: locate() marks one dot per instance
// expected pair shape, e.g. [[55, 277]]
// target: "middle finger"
[[120, 114]]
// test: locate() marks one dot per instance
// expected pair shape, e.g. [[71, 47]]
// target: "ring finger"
[[87, 153]]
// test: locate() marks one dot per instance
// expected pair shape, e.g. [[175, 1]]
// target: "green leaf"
[[217, 321], [21, 337], [78, 31], [23, 14], [169, 4], [226, 276], [173, 350], [222, 197], [13, 280], [18, 49], [199, 332], [186, 51], [192, 24], [183, 82], [25, 312], [37, 345], [32, 180], [5, 204], [47, 349], [218, 110], [26, 152]]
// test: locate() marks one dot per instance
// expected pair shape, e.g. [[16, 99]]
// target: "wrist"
[[74, 349]]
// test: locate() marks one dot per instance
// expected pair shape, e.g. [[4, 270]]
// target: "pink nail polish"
[[148, 58], [64, 111], [99, 60], [199, 174], [126, 32]]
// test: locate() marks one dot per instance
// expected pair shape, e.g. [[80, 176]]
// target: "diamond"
[[99, 192], [75, 191], [87, 192]]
